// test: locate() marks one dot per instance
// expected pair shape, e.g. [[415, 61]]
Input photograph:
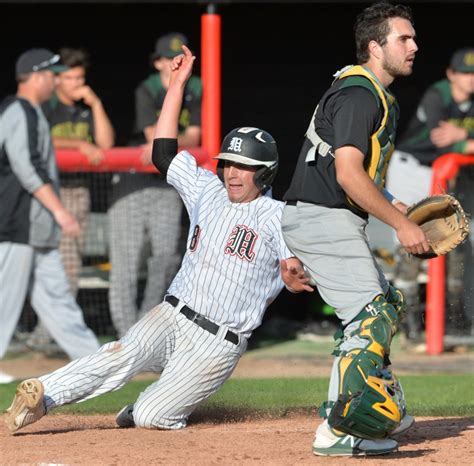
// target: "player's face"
[[46, 82], [238, 180], [400, 48], [462, 82], [71, 80]]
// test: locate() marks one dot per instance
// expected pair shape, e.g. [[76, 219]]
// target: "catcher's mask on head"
[[373, 412], [252, 147]]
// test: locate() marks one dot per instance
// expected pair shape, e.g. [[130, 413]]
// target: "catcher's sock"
[[406, 422], [27, 406], [125, 417], [329, 443]]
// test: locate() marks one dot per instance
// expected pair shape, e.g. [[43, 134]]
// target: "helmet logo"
[[235, 145], [259, 137]]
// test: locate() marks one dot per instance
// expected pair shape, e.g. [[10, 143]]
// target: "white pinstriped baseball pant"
[[193, 363], [157, 212]]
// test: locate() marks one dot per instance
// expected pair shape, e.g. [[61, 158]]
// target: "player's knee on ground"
[[150, 415]]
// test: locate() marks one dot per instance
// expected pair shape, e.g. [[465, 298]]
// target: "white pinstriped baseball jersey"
[[230, 272]]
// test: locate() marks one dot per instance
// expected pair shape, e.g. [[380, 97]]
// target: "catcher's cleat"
[[125, 417], [406, 422], [27, 406], [330, 443]]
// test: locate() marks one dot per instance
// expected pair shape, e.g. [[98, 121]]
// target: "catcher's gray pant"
[[155, 212], [334, 248], [193, 363], [22, 266]]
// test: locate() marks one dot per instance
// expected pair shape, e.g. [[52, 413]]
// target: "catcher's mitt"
[[444, 222]]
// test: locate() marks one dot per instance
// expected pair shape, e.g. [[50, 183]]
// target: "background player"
[[442, 123], [230, 273], [338, 181], [32, 216], [145, 209]]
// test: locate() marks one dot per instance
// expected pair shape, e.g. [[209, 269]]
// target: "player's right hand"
[[412, 238], [182, 67], [67, 222]]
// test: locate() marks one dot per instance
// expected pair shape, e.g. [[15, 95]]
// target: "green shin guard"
[[373, 412], [359, 390]]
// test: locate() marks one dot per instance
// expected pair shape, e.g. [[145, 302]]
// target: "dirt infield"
[[229, 437], [61, 439]]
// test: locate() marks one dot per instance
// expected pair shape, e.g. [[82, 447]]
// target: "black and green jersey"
[[355, 111], [69, 121], [149, 98], [436, 105]]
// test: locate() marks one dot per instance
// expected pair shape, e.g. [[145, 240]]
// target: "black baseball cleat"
[[125, 417]]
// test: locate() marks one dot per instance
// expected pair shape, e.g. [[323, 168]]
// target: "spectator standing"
[[32, 215], [143, 205], [443, 122]]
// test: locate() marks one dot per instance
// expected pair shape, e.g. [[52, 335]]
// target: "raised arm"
[[165, 144], [181, 69]]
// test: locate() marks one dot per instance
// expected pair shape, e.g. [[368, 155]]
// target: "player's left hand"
[[292, 274], [446, 134]]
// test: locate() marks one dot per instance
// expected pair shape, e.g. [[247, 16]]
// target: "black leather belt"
[[200, 320]]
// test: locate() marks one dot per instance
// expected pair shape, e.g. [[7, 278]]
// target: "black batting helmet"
[[253, 147]]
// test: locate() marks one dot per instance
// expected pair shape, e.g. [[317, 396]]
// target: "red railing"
[[444, 168], [119, 159]]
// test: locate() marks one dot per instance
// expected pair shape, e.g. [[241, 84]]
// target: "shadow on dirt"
[[437, 429]]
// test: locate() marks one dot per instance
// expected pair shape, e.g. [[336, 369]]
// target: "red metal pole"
[[444, 168], [435, 299], [211, 77], [435, 287]]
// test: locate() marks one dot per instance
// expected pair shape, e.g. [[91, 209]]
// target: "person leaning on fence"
[[443, 123], [143, 205], [32, 215], [78, 121]]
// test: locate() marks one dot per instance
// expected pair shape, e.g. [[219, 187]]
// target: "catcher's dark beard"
[[396, 71]]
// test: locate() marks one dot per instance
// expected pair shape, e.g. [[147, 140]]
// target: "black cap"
[[463, 60], [39, 60], [169, 45]]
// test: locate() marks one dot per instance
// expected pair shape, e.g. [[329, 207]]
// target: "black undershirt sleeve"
[[163, 153]]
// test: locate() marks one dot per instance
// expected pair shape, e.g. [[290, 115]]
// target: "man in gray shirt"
[[32, 215]]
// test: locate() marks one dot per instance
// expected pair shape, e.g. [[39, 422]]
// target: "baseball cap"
[[39, 60], [463, 60], [169, 45]]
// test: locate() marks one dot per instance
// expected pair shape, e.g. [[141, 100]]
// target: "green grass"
[[427, 395]]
